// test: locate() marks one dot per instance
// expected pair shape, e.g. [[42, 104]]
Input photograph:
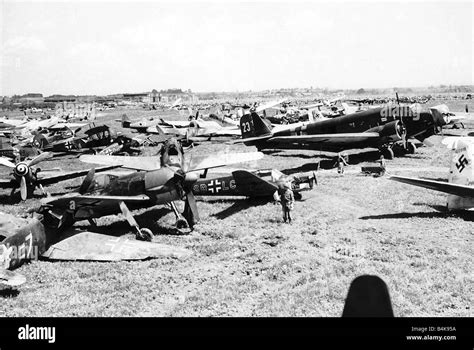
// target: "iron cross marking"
[[214, 186]]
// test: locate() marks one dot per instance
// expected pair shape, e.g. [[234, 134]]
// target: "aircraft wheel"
[[298, 196], [182, 223], [411, 148], [145, 234]]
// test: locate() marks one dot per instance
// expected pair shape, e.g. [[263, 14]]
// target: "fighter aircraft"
[[201, 130], [460, 185], [450, 118], [161, 180], [27, 127], [25, 177], [376, 128], [92, 139], [24, 240], [260, 183], [194, 130]]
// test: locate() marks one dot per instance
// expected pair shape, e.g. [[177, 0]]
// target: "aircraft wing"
[[71, 175], [269, 105], [207, 162], [92, 200], [311, 106], [250, 139], [65, 141], [99, 247], [446, 187], [62, 125], [223, 132], [336, 139], [251, 183], [175, 123], [137, 163]]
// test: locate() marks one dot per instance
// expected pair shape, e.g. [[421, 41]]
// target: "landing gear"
[[400, 149], [40, 186], [411, 148], [142, 234], [181, 222], [387, 152], [145, 234]]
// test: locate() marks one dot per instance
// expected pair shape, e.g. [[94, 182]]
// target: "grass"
[[246, 262]]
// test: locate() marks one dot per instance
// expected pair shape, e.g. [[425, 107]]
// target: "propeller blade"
[[87, 181], [23, 188], [39, 158], [6, 162], [191, 213]]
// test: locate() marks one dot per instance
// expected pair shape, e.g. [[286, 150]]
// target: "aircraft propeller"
[[186, 181], [22, 170], [87, 181]]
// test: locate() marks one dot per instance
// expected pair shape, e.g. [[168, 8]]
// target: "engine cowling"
[[394, 128]]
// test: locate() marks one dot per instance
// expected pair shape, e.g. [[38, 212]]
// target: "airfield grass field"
[[247, 262]]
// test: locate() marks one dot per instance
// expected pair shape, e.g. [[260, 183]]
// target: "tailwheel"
[[145, 234]]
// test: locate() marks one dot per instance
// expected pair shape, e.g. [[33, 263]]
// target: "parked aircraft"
[[92, 139], [260, 183], [460, 185], [27, 178], [162, 180], [25, 240], [376, 128]]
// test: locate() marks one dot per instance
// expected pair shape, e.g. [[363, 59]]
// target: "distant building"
[[60, 98], [154, 97], [31, 98], [165, 96], [137, 97]]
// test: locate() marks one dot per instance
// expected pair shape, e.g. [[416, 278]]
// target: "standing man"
[[287, 200], [382, 164], [341, 161]]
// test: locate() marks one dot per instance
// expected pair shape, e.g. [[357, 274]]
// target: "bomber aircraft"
[[375, 128]]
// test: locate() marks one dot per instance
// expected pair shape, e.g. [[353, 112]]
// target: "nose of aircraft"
[[439, 113], [190, 178]]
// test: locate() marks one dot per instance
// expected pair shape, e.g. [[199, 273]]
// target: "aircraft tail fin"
[[251, 125], [125, 121], [347, 109], [462, 172]]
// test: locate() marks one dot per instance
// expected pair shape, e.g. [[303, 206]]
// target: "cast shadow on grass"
[[9, 293], [16, 198], [147, 219], [404, 216], [239, 205], [330, 163], [465, 215]]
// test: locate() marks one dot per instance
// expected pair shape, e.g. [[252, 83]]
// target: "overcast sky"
[[105, 48]]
